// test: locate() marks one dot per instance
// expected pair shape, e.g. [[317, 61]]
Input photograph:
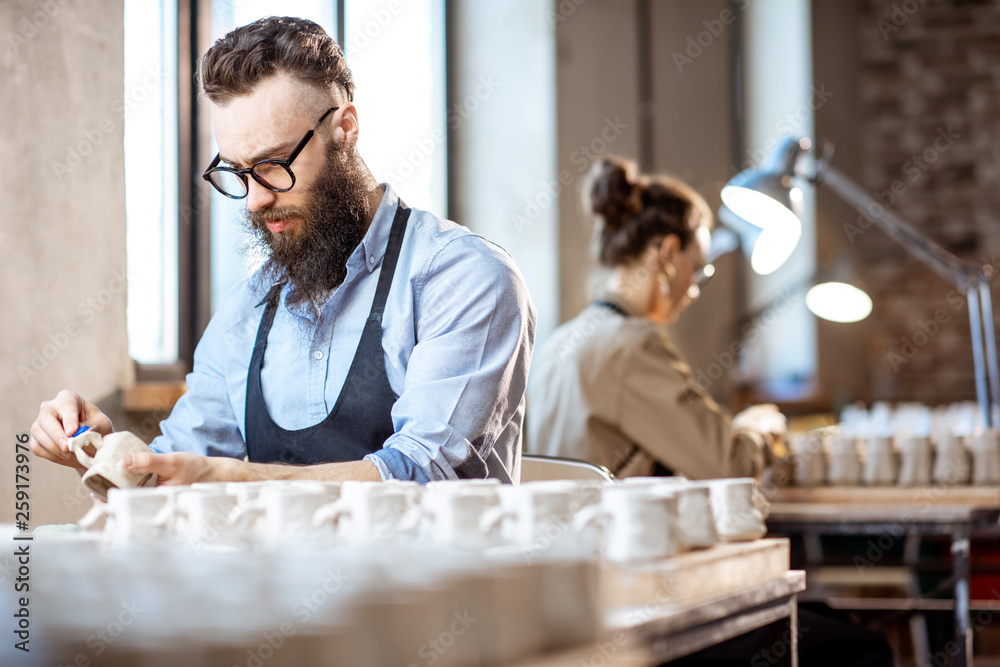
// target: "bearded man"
[[376, 342]]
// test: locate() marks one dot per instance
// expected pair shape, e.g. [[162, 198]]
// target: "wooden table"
[[649, 635], [952, 511]]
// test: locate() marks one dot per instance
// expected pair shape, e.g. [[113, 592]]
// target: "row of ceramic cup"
[[359, 605], [644, 518], [834, 457]]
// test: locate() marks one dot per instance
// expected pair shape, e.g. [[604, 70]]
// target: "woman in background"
[[609, 386]]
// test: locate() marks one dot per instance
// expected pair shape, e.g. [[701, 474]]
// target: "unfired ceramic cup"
[[881, 468], [105, 468], [738, 508], [845, 461], [951, 461], [985, 448], [916, 461], [639, 524]]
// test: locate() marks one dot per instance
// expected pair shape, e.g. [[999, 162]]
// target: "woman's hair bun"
[[615, 193]]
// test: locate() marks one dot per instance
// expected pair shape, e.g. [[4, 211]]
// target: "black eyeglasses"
[[698, 280], [703, 275], [274, 174]]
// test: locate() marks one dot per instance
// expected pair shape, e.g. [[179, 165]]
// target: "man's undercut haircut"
[[248, 55]]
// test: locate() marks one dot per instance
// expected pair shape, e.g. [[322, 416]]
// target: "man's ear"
[[346, 132]]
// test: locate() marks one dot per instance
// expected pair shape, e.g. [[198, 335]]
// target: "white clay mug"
[[372, 513], [536, 515], [454, 517], [105, 470], [638, 524], [739, 509], [134, 515]]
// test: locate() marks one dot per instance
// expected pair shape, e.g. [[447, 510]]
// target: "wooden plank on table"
[[696, 575], [972, 496], [916, 512]]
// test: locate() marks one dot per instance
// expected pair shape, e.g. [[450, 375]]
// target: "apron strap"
[[389, 260]]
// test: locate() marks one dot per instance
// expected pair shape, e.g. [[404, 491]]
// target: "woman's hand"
[[764, 419]]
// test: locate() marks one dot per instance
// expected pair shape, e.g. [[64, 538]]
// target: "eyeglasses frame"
[[286, 163]]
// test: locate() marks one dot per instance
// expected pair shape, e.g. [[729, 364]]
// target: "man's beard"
[[331, 224]]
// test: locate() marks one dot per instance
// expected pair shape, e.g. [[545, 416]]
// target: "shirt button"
[[317, 354], [371, 260]]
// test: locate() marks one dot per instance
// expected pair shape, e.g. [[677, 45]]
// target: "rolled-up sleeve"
[[467, 372]]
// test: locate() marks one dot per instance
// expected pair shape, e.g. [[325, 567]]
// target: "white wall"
[[62, 234], [502, 120]]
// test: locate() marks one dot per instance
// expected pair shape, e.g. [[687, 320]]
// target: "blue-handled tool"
[[80, 430]]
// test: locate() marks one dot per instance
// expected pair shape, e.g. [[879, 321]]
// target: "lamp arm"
[[975, 284], [947, 265]]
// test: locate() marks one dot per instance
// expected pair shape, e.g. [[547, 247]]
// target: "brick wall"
[[929, 124]]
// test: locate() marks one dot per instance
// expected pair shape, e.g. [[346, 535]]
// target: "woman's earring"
[[669, 271], [664, 284]]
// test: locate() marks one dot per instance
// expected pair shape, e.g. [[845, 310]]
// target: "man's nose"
[[259, 197]]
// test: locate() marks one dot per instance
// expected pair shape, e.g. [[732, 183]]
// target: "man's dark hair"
[[238, 62]]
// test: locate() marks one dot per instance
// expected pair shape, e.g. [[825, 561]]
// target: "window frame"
[[194, 193]]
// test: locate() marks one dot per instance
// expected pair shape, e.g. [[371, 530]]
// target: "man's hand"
[[173, 469], [59, 419]]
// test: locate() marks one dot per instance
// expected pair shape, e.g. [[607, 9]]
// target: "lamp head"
[[765, 197]]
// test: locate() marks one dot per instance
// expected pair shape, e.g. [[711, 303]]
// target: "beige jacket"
[[615, 391]]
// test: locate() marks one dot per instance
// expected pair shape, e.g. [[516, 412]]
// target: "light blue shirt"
[[457, 336]]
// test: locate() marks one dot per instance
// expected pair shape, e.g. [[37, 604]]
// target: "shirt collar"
[[373, 244], [611, 297]]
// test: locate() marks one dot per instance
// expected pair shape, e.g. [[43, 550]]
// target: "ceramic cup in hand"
[[105, 470]]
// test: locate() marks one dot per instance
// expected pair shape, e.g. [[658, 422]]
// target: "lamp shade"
[[765, 197], [766, 249], [838, 302], [838, 294]]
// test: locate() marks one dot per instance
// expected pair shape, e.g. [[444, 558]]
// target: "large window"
[[230, 261], [149, 108], [396, 50], [778, 102]]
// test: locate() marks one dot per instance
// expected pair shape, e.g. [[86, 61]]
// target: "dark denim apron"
[[361, 420]]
